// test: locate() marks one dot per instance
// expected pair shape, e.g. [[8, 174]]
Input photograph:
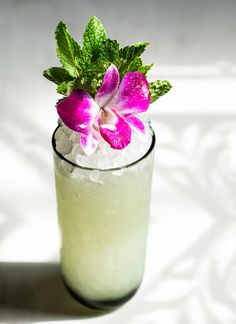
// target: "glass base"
[[100, 305]]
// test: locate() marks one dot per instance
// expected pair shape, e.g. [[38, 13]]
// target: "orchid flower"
[[112, 114]]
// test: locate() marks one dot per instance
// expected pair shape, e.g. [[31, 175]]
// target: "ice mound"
[[105, 157]]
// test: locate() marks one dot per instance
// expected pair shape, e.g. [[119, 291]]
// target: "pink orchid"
[[112, 115]]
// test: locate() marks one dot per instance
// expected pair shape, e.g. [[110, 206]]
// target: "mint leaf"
[[68, 49], [62, 88], [66, 87], [93, 75], [82, 63], [145, 68], [137, 66], [57, 75], [158, 88], [130, 58], [129, 53], [134, 65], [110, 51], [93, 37]]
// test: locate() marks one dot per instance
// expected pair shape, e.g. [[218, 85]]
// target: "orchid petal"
[[133, 94], [115, 130], [136, 124], [109, 86], [89, 143], [78, 111]]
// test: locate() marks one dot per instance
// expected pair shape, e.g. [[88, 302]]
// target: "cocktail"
[[103, 154], [103, 216]]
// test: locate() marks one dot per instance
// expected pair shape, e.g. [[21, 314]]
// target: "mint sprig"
[[93, 38], [158, 88], [84, 67], [57, 75], [68, 50]]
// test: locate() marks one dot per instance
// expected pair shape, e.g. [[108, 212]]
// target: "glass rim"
[[61, 156]]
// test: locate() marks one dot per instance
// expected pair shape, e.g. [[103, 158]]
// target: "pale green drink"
[[103, 217]]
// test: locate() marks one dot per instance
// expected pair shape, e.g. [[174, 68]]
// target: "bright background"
[[191, 258]]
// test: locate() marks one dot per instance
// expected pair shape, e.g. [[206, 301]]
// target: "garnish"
[[104, 85], [112, 114]]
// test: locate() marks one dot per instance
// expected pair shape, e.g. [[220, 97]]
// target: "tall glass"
[[103, 217]]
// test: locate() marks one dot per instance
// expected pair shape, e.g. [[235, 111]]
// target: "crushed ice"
[[68, 144]]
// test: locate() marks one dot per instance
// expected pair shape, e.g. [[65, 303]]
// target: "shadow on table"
[[35, 291]]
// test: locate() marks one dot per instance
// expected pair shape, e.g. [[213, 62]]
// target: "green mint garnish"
[[158, 88], [93, 38], [68, 50], [57, 75], [84, 67]]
